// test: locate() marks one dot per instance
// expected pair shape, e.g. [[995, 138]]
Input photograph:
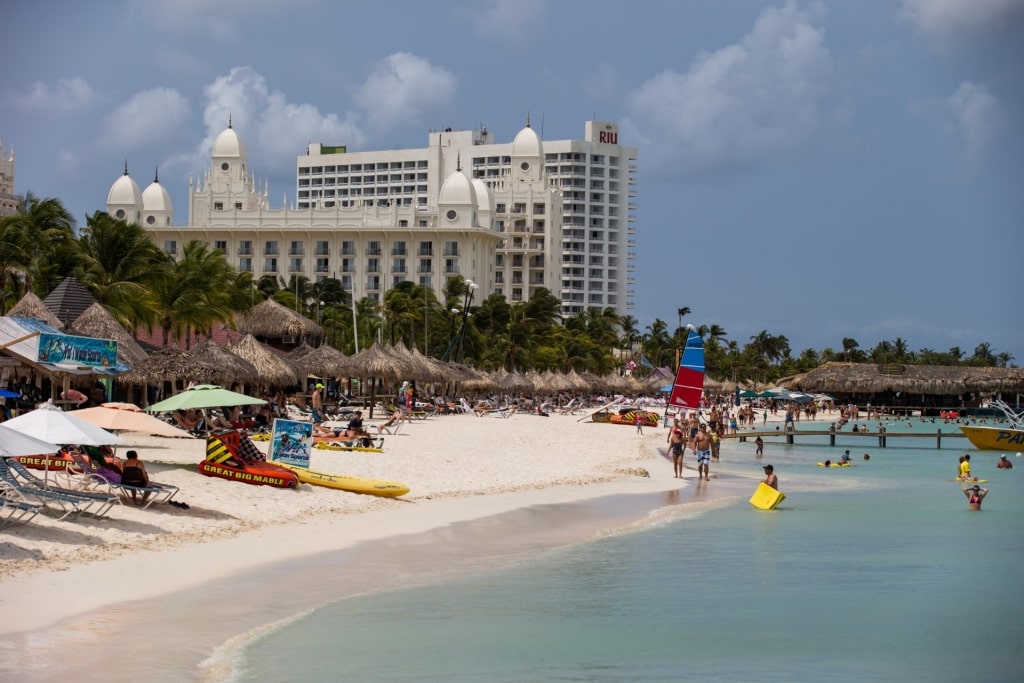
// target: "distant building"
[[8, 200], [511, 217]]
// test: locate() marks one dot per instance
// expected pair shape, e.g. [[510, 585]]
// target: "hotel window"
[[322, 265], [270, 248], [398, 248], [321, 248], [373, 282], [426, 265], [238, 205], [245, 247], [346, 282], [426, 249], [296, 248], [218, 206], [397, 280], [451, 248], [221, 246], [270, 265], [398, 265], [373, 248], [499, 260], [538, 208], [451, 265], [171, 247], [373, 265], [348, 248], [499, 208], [245, 265], [295, 265], [348, 265], [403, 223], [426, 281], [499, 278]]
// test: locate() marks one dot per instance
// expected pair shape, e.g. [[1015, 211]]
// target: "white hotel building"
[[511, 217]]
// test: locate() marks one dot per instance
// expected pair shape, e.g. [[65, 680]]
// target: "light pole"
[[426, 329], [470, 288]]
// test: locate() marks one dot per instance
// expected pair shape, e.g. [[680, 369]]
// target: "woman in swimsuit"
[[974, 497]]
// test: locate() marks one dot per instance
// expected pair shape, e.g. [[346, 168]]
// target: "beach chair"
[[506, 412], [62, 500], [156, 492], [14, 508], [464, 406]]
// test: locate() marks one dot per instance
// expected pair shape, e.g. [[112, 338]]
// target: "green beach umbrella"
[[204, 396]]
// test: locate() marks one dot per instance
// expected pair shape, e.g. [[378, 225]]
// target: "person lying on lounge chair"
[[392, 419]]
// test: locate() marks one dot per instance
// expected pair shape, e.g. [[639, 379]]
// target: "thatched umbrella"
[[935, 380], [577, 382], [271, 320], [274, 370], [31, 306], [378, 363], [416, 366], [300, 351], [327, 361], [214, 363], [169, 364], [97, 322], [515, 381]]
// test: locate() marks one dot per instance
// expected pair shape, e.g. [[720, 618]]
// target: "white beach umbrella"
[[51, 424], [13, 443]]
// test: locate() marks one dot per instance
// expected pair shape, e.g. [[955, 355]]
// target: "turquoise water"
[[872, 573]]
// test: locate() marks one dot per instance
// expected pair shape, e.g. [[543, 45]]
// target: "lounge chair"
[[30, 487], [506, 412], [14, 508], [154, 493]]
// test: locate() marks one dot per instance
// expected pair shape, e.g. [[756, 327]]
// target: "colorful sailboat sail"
[[689, 383]]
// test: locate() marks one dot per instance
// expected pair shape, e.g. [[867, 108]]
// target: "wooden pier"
[[882, 437]]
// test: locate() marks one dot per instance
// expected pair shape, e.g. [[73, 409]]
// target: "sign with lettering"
[[69, 350]]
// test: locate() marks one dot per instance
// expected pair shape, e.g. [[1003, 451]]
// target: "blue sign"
[[291, 441], [70, 350]]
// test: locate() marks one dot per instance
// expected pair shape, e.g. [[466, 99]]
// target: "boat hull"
[[995, 438]]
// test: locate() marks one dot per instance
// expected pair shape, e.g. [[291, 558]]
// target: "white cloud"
[[509, 21], [276, 130], [403, 89], [739, 103], [66, 95], [146, 118], [978, 117], [963, 19]]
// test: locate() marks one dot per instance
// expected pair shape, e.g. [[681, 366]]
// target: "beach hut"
[[273, 369], [279, 325], [31, 306]]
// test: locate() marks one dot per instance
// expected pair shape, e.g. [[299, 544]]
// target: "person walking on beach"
[[759, 442], [702, 446], [770, 479], [639, 423], [975, 495], [676, 446]]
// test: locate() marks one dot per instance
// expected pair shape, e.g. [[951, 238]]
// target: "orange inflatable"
[[232, 455]]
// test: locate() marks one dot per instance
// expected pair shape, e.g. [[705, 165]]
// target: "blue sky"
[[818, 169]]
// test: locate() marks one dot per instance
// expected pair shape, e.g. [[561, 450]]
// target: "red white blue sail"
[[689, 383]]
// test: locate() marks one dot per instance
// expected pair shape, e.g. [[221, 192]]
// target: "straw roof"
[[31, 306], [215, 363], [274, 370], [97, 322], [299, 351], [380, 364], [326, 361], [920, 379], [168, 364], [271, 320]]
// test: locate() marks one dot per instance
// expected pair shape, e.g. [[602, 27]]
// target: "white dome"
[[156, 198], [228, 144], [124, 192], [527, 144], [458, 191], [483, 195]]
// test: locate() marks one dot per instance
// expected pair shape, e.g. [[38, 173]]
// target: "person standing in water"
[[975, 495], [770, 479]]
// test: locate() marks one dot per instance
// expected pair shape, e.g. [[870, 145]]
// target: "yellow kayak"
[[372, 487], [835, 464]]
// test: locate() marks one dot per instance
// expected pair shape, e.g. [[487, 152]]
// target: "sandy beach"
[[458, 467]]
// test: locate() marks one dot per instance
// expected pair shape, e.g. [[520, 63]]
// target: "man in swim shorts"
[[702, 446]]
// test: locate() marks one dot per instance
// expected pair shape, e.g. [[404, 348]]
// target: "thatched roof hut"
[[271, 320], [933, 380], [169, 364], [378, 363], [97, 322], [274, 370], [31, 306], [215, 363], [326, 361]]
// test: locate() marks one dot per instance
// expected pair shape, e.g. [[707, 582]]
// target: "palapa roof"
[[378, 363], [325, 361], [168, 364], [97, 322], [921, 379], [206, 363], [271, 320], [274, 369], [68, 300], [31, 306]]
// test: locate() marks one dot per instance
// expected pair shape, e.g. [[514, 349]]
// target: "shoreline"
[[571, 462]]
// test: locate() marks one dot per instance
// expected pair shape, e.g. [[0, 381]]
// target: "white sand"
[[458, 467]]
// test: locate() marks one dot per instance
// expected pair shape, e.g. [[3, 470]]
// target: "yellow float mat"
[[971, 481], [835, 464], [766, 498], [373, 487], [347, 446]]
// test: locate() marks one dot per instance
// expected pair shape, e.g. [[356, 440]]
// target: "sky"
[[817, 169]]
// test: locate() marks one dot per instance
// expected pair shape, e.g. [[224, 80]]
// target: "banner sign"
[[70, 350], [291, 442]]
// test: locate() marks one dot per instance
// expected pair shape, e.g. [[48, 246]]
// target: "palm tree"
[[682, 313], [195, 292], [36, 227]]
